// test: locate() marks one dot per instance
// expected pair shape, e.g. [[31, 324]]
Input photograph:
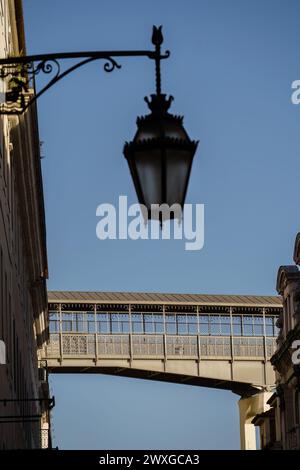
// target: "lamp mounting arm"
[[20, 72]]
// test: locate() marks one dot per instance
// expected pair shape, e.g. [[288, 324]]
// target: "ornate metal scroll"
[[18, 73]]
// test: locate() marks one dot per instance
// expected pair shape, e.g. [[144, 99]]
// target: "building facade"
[[23, 262], [280, 424]]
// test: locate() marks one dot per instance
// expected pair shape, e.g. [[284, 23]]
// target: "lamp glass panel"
[[178, 164], [148, 166]]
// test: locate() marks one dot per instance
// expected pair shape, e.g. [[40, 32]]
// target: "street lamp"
[[161, 154]]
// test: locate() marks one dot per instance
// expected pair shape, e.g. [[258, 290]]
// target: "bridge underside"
[[240, 388], [217, 373]]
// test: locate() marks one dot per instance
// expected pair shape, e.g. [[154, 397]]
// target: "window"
[[192, 323], [158, 323], [182, 327], [171, 324], [119, 322], [124, 322], [248, 326], [271, 328], [91, 327], [215, 325], [236, 325], [54, 322], [225, 325], [115, 326], [137, 323], [204, 324], [103, 325], [66, 321], [80, 322], [258, 323], [149, 324]]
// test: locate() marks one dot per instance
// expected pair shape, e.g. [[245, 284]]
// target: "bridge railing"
[[136, 345]]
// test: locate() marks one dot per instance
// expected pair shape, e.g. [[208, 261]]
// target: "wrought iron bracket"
[[19, 73]]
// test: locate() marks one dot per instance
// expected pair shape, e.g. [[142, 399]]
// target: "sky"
[[231, 68]]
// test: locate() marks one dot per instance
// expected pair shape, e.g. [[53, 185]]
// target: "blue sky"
[[231, 68]]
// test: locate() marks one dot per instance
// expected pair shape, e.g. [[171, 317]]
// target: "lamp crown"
[[159, 104]]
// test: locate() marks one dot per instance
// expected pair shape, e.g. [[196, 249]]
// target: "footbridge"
[[215, 341], [219, 341]]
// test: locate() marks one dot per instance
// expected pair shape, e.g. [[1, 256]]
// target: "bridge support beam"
[[249, 407]]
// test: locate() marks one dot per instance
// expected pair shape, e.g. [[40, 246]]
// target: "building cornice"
[[296, 256], [285, 275]]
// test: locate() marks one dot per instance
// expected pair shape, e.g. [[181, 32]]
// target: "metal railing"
[[137, 345]]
